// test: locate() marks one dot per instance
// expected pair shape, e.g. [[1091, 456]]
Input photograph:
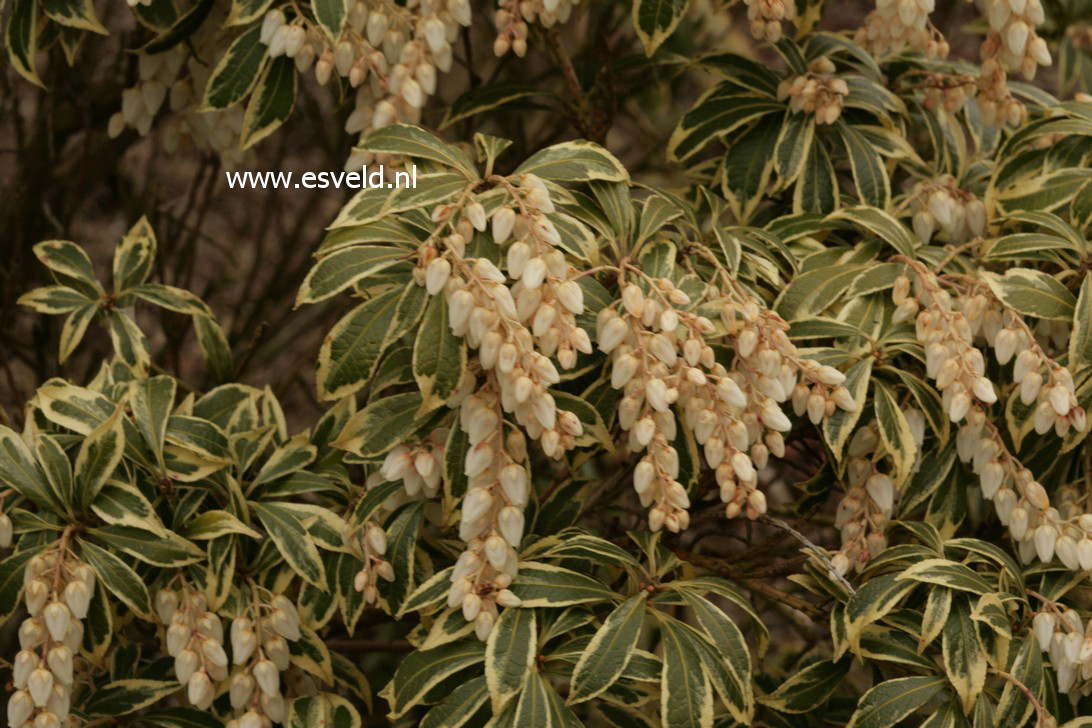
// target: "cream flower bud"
[[20, 707], [656, 518], [625, 366], [35, 596], [475, 213], [633, 299], [166, 604], [268, 677], [78, 598], [983, 389], [775, 419], [1084, 553], [743, 467], [178, 635], [612, 335], [471, 606], [477, 502], [1018, 523], [478, 458], [829, 376], [1043, 625], [242, 689], [283, 624], [881, 490], [200, 690], [513, 480], [505, 598], [504, 220], [511, 522], [843, 399], [24, 664], [958, 407], [57, 618], [186, 664], [436, 275], [60, 662], [273, 706], [377, 539], [1066, 549], [243, 644], [1046, 538], [496, 551], [6, 530], [534, 273], [643, 476], [571, 296], [483, 624], [1059, 400], [40, 686]]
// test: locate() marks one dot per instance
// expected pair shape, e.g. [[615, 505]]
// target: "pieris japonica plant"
[[795, 433]]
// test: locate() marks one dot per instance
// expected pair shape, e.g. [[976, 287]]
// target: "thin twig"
[[778, 523], [1041, 713], [725, 569]]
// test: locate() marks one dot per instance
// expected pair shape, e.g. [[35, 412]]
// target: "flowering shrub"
[[804, 434]]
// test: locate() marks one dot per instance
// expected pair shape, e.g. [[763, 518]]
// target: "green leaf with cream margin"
[[1032, 293], [343, 268], [1080, 341], [606, 656], [895, 432], [291, 538], [381, 425], [351, 350], [439, 357], [510, 654], [413, 141], [271, 103], [237, 72], [576, 161], [889, 702], [656, 20]]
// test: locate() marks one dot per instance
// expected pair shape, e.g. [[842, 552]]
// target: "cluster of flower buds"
[[548, 299], [1012, 23], [947, 329], [57, 593], [484, 310], [1063, 635], [142, 102], [865, 511], [941, 204], [897, 24], [816, 92], [218, 131], [390, 53], [492, 519], [369, 544], [766, 16], [1011, 43], [948, 91], [660, 358], [512, 17], [418, 465], [260, 645], [195, 639], [644, 341], [947, 336]]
